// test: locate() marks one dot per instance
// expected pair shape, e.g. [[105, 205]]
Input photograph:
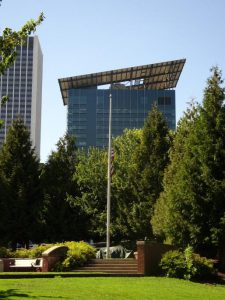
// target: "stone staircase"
[[126, 267]]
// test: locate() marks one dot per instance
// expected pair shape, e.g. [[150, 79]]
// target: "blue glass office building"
[[88, 104], [88, 112]]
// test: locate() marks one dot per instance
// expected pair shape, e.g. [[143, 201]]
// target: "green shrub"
[[37, 251], [173, 264], [21, 253], [24, 253], [5, 253], [186, 265], [77, 255], [31, 253], [204, 268]]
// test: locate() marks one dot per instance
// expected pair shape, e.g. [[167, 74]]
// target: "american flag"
[[112, 159]]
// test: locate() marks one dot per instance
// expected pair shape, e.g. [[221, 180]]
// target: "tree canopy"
[[10, 39], [140, 159], [194, 196], [91, 179], [124, 198]]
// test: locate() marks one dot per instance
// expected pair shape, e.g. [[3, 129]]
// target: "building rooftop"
[[159, 76]]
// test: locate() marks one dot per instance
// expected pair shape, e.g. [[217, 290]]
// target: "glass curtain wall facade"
[[88, 112], [22, 82]]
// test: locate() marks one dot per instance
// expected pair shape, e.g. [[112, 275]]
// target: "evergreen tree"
[[20, 171], [152, 159], [196, 198], [164, 222], [208, 154], [63, 222], [3, 209]]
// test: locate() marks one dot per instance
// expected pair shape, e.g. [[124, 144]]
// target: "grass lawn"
[[108, 288]]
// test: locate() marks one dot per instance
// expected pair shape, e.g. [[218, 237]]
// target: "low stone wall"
[[6, 263], [149, 256], [51, 256]]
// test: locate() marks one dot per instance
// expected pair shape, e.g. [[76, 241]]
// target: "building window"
[[164, 101]]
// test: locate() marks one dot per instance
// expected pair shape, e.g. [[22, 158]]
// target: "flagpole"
[[109, 179]]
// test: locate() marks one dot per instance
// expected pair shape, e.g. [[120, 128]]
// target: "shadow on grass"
[[15, 293], [11, 293], [219, 278]]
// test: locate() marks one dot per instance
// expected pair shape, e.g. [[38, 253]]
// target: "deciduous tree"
[[124, 182], [9, 39], [91, 178]]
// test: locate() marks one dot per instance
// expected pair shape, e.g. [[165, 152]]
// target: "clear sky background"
[[87, 36]]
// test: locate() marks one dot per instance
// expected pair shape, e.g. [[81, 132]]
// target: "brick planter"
[[6, 263], [149, 256], [51, 256]]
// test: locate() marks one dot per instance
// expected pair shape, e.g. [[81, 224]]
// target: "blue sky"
[[86, 36]]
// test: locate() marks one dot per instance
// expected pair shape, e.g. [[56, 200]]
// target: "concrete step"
[[125, 267], [105, 271], [110, 266], [114, 261]]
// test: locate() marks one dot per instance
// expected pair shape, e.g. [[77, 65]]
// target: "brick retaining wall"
[[149, 256]]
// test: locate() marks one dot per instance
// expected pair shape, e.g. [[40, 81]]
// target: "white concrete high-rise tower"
[[22, 82]]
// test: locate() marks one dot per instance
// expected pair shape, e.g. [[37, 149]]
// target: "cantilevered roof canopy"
[[158, 76]]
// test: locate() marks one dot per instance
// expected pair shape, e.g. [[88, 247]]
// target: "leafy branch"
[[8, 42]]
